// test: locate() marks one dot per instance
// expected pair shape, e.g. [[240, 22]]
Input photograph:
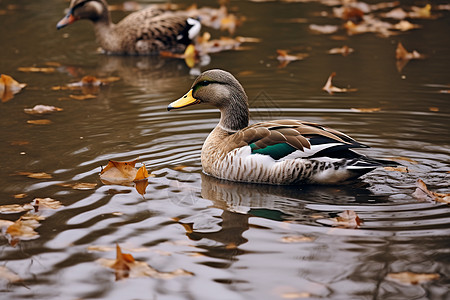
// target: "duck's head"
[[93, 10], [220, 89]]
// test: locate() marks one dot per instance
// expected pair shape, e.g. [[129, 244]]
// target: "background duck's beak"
[[68, 19], [184, 101]]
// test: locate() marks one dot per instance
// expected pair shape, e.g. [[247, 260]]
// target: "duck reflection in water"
[[240, 201]]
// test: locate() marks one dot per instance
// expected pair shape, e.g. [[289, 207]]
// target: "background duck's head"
[[93, 10], [220, 89]]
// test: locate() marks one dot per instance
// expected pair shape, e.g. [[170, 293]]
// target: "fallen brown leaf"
[[39, 122], [412, 278], [9, 87], [82, 97], [331, 89], [402, 54], [344, 50], [36, 69], [42, 109], [79, 185], [423, 193], [347, 219], [39, 175], [126, 266], [323, 29], [374, 109], [124, 173]]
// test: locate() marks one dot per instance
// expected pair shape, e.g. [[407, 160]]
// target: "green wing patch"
[[276, 151]]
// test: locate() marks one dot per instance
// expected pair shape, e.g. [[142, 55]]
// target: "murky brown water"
[[234, 237]]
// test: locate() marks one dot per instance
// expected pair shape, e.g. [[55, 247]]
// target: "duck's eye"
[[204, 83]]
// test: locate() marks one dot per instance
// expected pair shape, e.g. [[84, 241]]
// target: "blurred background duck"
[[275, 152], [144, 32]]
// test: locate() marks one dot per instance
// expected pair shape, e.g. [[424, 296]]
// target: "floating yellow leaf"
[[42, 109], [405, 159], [14, 208], [285, 58], [9, 87], [39, 122], [412, 278]]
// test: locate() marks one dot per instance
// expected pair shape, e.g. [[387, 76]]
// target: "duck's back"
[[148, 31]]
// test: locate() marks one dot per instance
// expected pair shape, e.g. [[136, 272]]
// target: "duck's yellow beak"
[[184, 101]]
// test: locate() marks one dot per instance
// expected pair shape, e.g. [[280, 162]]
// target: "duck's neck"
[[234, 115]]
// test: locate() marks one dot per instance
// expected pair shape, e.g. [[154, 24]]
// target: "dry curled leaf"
[[126, 266], [14, 208], [402, 54], [412, 278], [284, 58], [124, 173], [423, 193], [45, 203], [9, 87], [331, 89], [344, 50], [345, 219], [42, 109]]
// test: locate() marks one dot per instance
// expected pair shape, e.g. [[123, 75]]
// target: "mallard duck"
[[144, 32], [275, 152]]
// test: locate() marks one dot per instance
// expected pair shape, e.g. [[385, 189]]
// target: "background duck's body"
[[145, 32], [275, 152]]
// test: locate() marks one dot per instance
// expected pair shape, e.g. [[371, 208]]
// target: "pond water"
[[240, 241]]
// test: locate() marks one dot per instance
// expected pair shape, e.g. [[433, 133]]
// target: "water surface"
[[233, 237]]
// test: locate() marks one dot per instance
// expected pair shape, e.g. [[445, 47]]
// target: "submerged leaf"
[[7, 274], [39, 175], [412, 278], [296, 239]]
